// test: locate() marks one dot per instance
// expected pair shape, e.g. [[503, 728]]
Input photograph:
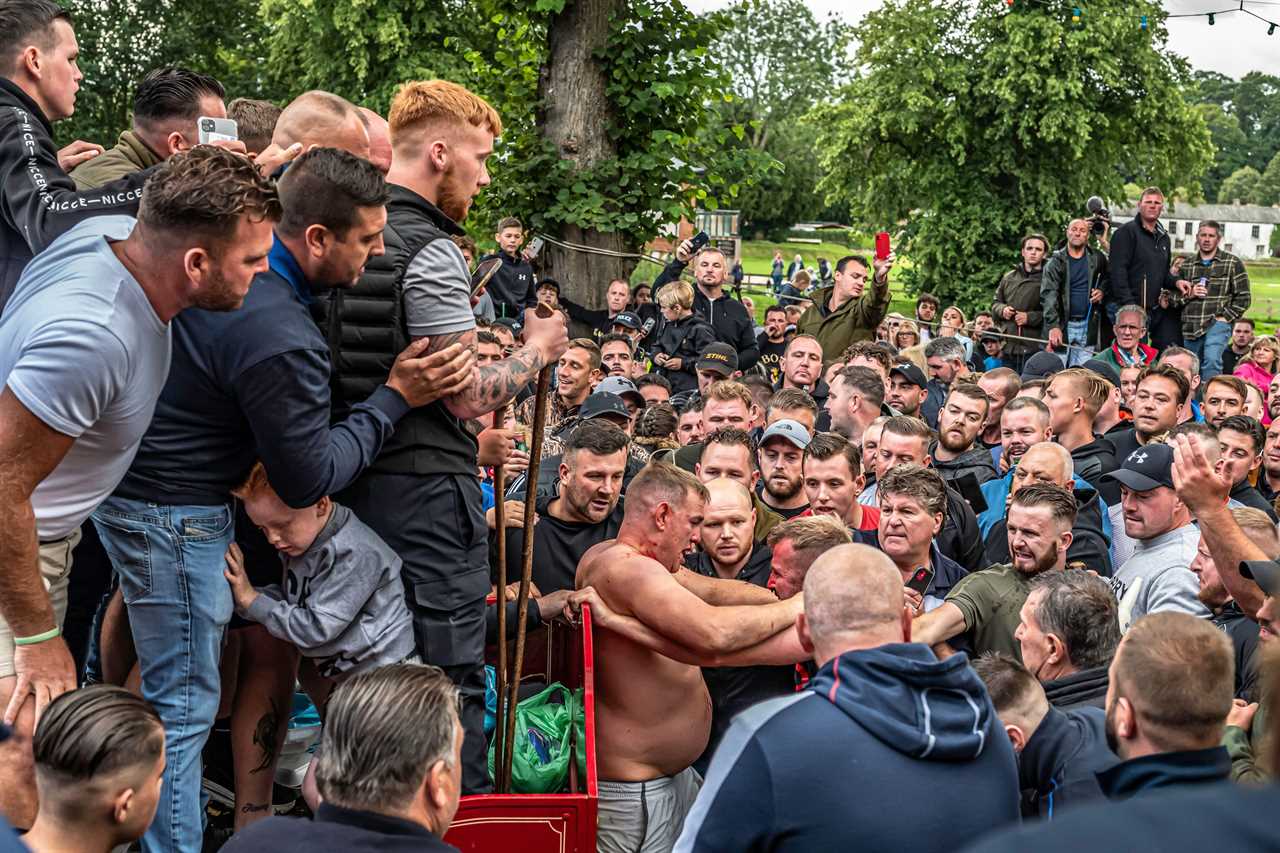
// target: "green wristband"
[[37, 638]]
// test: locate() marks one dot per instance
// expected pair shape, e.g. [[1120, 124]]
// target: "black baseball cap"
[[511, 323], [1104, 370], [911, 373], [1265, 573], [1041, 365], [549, 282], [1149, 467], [989, 337], [628, 320], [603, 403], [721, 358]]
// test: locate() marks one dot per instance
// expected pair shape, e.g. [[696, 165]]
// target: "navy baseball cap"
[[622, 387], [1104, 370], [911, 373], [1265, 573], [1149, 467], [792, 431], [721, 358], [628, 320], [603, 403], [511, 323], [1041, 365]]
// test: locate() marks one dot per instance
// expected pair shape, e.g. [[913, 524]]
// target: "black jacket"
[[727, 317], [935, 395], [1140, 262], [1055, 289], [1058, 767], [39, 201], [336, 828], [1084, 689], [1190, 768], [976, 461], [1251, 497], [1243, 633], [685, 339], [512, 286], [1094, 459], [1089, 545], [959, 538]]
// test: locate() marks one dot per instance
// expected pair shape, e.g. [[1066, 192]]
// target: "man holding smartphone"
[[727, 316], [848, 311]]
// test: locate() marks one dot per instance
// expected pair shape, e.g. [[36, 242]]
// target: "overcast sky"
[[1235, 45]]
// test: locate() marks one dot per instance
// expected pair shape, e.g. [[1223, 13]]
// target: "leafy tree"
[[1244, 184], [973, 125], [1269, 188], [1230, 144], [121, 42], [1244, 118]]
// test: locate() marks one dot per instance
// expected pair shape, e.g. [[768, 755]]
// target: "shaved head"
[[853, 599], [322, 119], [726, 493], [379, 139], [1052, 456]]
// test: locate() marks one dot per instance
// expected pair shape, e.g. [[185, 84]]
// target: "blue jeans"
[[1208, 348], [169, 560], [1078, 336]]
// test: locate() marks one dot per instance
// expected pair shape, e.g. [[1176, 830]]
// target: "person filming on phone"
[[727, 316], [848, 311]]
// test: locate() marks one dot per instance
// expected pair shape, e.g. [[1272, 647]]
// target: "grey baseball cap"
[[622, 386], [1265, 573], [792, 431], [605, 403]]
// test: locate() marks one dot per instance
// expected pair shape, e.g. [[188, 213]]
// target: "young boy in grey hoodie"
[[341, 601]]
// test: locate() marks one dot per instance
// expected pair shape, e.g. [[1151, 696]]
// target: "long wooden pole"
[[499, 518], [526, 568]]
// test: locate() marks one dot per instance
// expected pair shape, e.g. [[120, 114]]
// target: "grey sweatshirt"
[[1158, 577], [343, 602]]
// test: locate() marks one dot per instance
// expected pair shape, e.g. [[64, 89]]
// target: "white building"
[[1248, 227]]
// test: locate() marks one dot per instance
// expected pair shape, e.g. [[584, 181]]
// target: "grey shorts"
[[645, 817]]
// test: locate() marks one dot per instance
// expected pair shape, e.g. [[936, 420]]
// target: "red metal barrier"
[[543, 823]]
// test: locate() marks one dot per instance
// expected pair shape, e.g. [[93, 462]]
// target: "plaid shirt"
[[1228, 292]]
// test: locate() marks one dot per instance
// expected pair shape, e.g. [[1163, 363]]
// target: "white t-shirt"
[[82, 348]]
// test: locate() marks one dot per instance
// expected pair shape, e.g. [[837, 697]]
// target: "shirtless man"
[[654, 711]]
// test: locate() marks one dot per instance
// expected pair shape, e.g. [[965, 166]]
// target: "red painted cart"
[[543, 823]]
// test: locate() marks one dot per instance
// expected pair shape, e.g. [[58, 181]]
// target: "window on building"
[[1256, 231], [1261, 251], [1229, 247], [1188, 230], [1178, 244]]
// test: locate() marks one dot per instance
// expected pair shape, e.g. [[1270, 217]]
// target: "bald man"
[[782, 778], [322, 119], [654, 712], [1048, 462], [379, 139]]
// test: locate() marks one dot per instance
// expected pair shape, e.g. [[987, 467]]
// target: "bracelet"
[[37, 638]]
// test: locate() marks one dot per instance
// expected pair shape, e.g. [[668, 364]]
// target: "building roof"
[[1221, 212]]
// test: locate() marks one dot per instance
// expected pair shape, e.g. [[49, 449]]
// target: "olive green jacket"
[[129, 155], [854, 321]]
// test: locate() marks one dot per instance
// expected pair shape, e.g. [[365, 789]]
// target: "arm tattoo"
[[496, 384]]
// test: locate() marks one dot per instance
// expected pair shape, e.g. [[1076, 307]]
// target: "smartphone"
[[882, 245], [535, 246], [217, 130], [484, 271], [920, 579], [699, 240]]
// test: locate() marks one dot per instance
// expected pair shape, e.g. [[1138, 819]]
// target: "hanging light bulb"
[[1271, 30], [1075, 16], [1211, 20]]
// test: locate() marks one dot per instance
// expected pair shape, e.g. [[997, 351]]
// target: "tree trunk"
[[575, 119]]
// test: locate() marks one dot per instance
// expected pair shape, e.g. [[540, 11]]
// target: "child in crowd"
[[682, 340], [994, 347], [341, 601]]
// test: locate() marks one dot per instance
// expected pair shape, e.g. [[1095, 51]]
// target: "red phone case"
[[882, 245]]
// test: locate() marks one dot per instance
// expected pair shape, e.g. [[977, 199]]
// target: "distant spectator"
[[1218, 296], [1017, 305], [1071, 294], [1224, 396], [1242, 332], [945, 358], [1261, 364], [255, 122], [654, 388], [1128, 350], [927, 308], [683, 338]]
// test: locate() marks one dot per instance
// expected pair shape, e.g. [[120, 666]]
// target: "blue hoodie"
[[887, 749]]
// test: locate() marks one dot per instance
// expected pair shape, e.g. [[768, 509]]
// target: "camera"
[[1099, 217], [206, 125]]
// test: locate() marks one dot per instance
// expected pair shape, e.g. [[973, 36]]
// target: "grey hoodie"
[[1158, 577], [343, 602]]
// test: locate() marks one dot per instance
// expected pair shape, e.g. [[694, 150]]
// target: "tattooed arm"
[[437, 304]]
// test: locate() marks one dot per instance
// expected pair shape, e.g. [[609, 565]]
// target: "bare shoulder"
[[611, 562]]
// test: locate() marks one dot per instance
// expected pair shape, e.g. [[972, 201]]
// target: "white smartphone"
[[535, 246], [217, 130]]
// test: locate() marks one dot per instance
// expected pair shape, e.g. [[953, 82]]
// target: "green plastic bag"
[[545, 732]]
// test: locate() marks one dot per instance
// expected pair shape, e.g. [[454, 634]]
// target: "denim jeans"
[[1078, 336], [169, 560], [1208, 348]]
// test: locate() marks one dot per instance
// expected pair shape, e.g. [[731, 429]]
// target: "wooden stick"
[[499, 518], [526, 568]]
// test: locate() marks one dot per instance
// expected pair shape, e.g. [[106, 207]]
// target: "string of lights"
[[1079, 14]]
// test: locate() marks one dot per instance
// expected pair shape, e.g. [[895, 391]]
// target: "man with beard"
[[773, 342], [1158, 576], [833, 478], [617, 353], [913, 502], [1000, 385], [1068, 632], [1162, 391], [727, 316], [1242, 334], [984, 607], [1071, 294], [1224, 396], [689, 426], [731, 452], [1168, 696], [442, 136], [1017, 306], [907, 388], [653, 709], [945, 360], [85, 348], [848, 311], [854, 401], [1074, 397], [1227, 615], [1242, 440], [586, 509], [1048, 462], [729, 552], [577, 372], [956, 454], [781, 457]]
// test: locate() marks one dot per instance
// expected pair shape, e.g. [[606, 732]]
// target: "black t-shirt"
[[771, 357], [557, 547]]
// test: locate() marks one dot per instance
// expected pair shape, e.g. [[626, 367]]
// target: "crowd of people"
[[252, 418]]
